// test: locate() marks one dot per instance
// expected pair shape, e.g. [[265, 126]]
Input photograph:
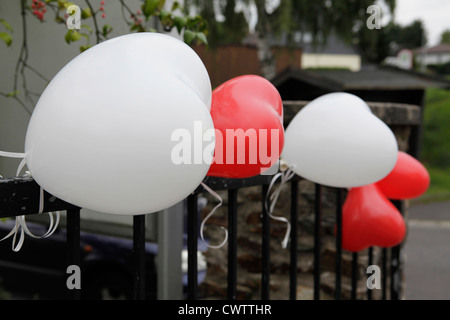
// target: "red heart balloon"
[[408, 179], [370, 219], [247, 112]]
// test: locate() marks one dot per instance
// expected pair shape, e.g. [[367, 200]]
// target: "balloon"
[[370, 219], [247, 112], [101, 135], [408, 179], [335, 140]]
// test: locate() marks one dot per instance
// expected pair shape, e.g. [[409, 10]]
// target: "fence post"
[[73, 245], [317, 223], [232, 243], [265, 248], [294, 241], [338, 244], [170, 246], [192, 239], [139, 256], [396, 270]]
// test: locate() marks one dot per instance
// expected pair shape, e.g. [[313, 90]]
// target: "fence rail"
[[21, 196]]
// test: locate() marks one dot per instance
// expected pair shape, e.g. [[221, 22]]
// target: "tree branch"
[[97, 30]]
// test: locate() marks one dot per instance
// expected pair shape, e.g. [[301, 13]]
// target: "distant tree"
[[224, 24], [320, 18], [412, 35], [445, 36], [376, 46]]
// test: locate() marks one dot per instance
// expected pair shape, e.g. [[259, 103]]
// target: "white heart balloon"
[[100, 135], [337, 141]]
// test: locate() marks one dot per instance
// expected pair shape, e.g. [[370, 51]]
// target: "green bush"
[[436, 140], [442, 69], [436, 144]]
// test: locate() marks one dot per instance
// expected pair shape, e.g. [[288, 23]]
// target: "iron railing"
[[21, 196]]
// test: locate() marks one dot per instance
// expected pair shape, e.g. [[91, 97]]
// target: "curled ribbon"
[[286, 175], [202, 226], [21, 225]]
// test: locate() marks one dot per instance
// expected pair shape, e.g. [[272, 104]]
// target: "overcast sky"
[[435, 15]]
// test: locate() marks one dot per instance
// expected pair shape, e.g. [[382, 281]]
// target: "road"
[[427, 269]]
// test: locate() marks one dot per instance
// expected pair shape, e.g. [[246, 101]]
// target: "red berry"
[[103, 16], [102, 2]]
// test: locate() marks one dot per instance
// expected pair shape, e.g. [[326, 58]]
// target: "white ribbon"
[[12, 154], [202, 226], [285, 176], [21, 225]]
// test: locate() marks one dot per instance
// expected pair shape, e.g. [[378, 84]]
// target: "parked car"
[[39, 268]]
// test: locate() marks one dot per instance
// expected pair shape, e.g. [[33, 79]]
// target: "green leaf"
[[176, 5], [72, 36], [6, 25], [12, 94], [6, 37], [202, 37], [86, 13], [189, 36], [150, 7], [88, 27], [64, 4], [164, 16], [67, 36], [161, 4], [84, 48], [180, 23], [106, 29], [134, 27]]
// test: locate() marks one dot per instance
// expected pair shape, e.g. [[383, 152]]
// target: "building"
[[334, 54], [436, 55]]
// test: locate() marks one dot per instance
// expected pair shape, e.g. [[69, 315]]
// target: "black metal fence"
[[21, 196]]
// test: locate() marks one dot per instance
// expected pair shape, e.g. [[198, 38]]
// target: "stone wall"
[[400, 118]]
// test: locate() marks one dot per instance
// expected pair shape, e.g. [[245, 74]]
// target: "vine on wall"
[[193, 29]]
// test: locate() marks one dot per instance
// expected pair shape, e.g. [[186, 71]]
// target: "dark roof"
[[333, 45], [370, 79], [440, 48]]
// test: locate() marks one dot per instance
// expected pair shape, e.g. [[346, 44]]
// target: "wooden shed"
[[372, 84]]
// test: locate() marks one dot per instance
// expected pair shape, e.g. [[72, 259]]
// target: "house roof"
[[376, 78], [440, 48]]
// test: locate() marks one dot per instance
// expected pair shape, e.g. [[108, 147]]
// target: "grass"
[[436, 144], [439, 189]]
